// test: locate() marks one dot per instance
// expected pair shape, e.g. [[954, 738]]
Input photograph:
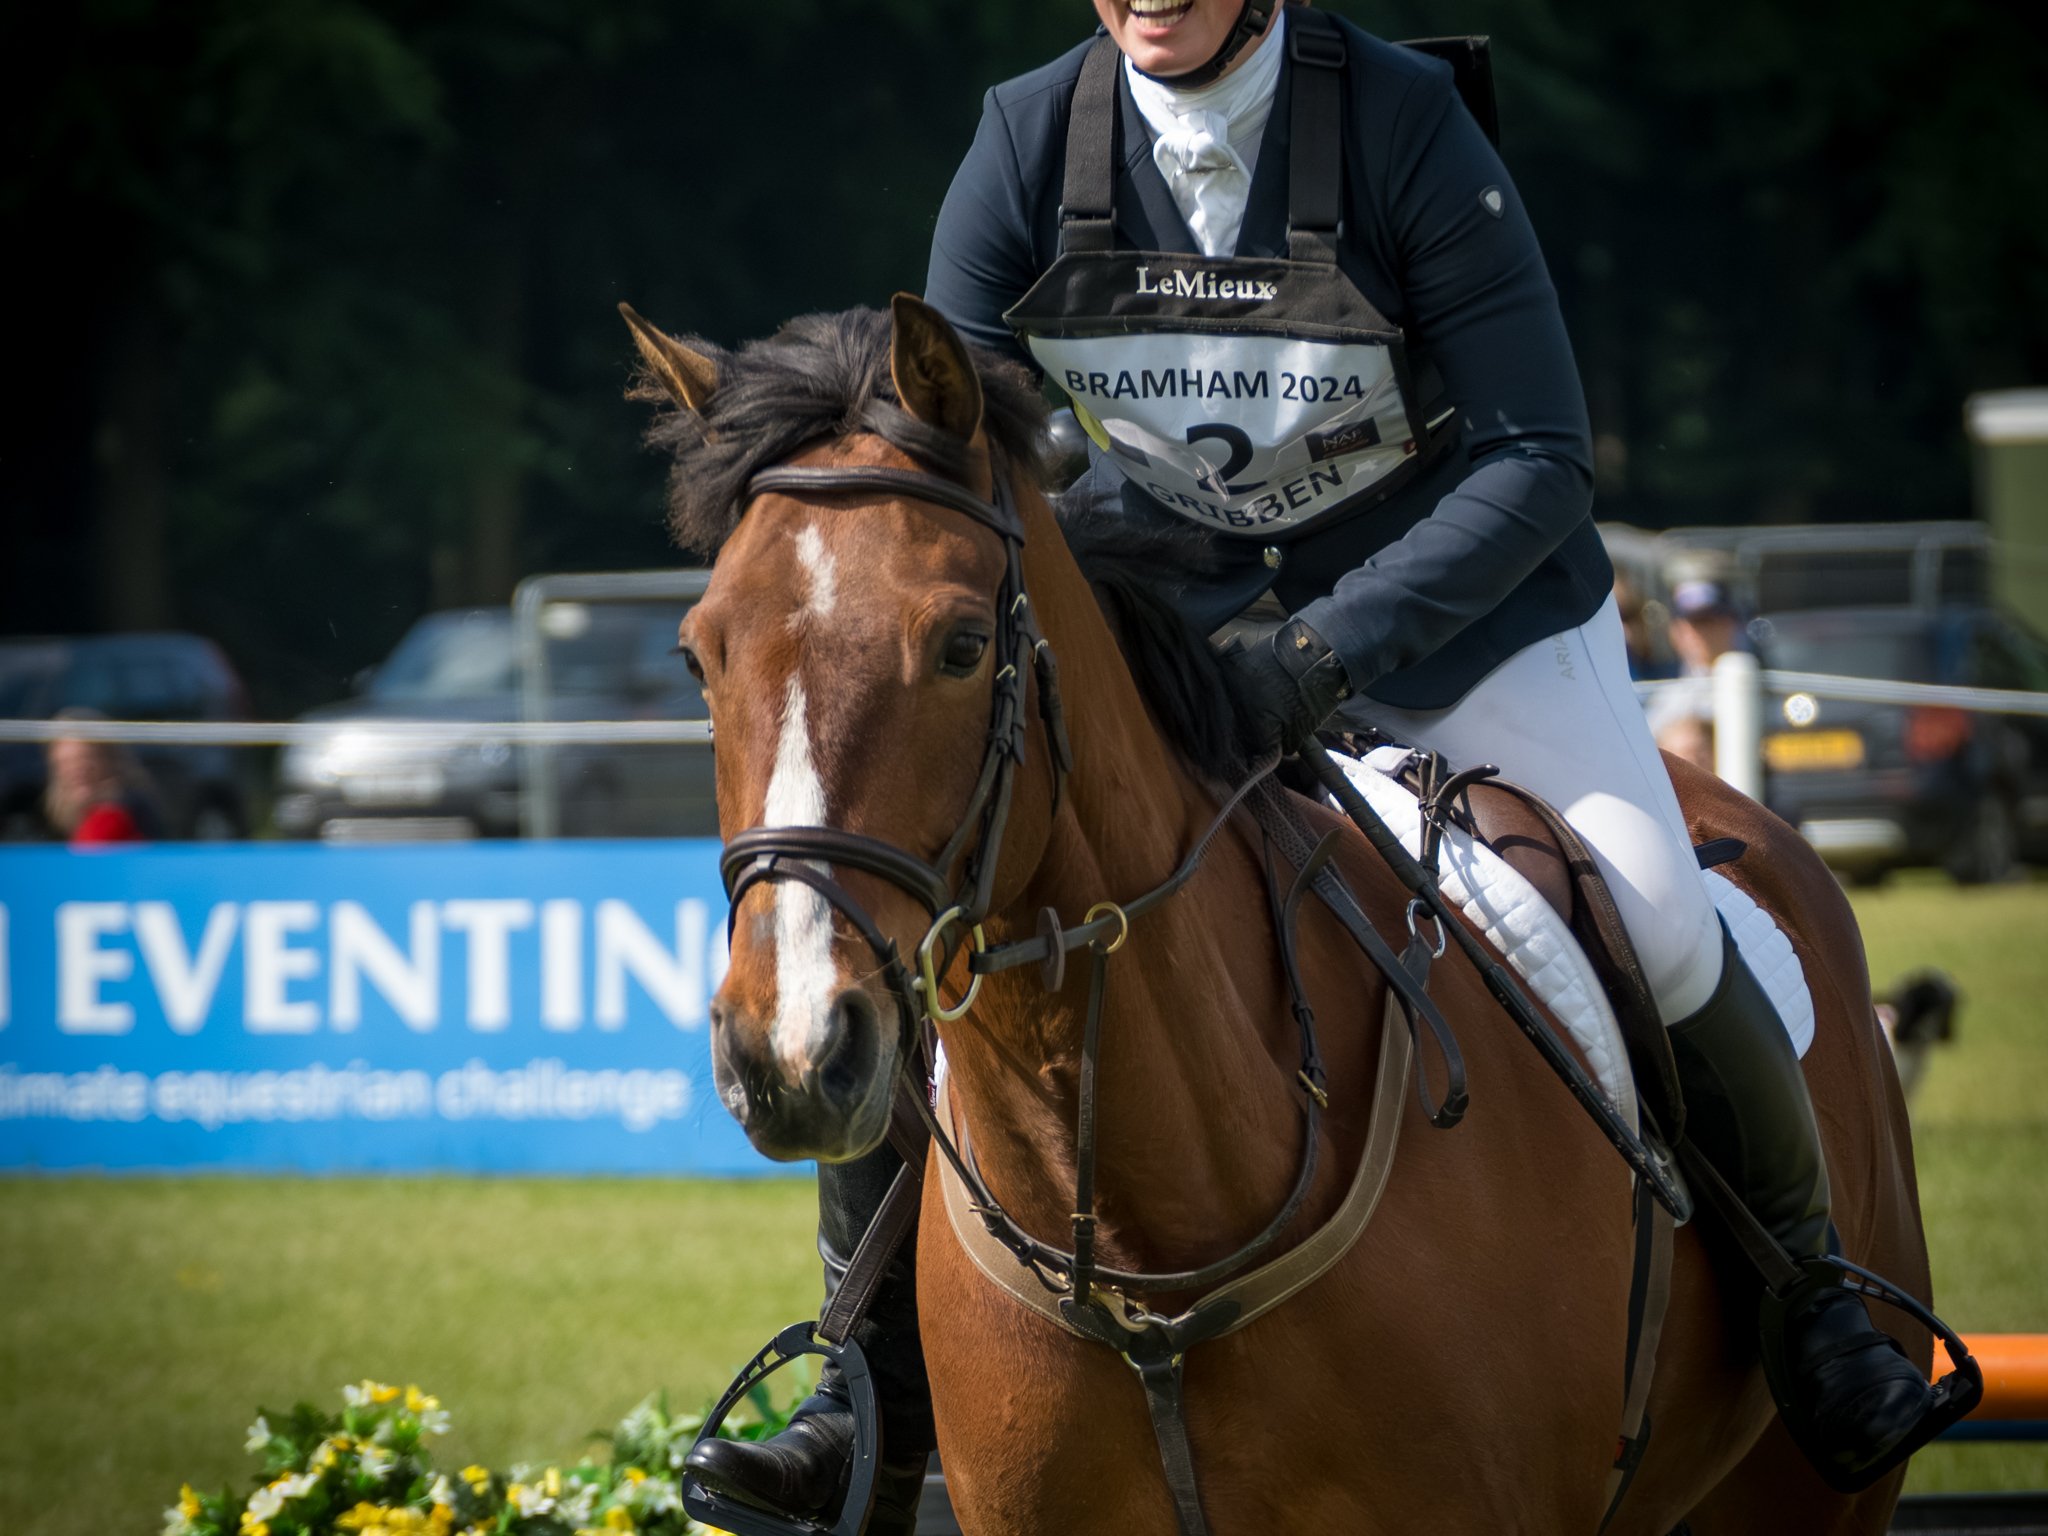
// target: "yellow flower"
[[618, 1518], [387, 1520], [477, 1477], [417, 1401], [383, 1394], [440, 1520], [551, 1482], [188, 1501], [635, 1475]]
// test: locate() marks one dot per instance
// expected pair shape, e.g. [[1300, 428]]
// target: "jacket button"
[[1272, 557]]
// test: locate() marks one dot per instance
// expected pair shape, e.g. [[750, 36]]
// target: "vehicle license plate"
[[1790, 751], [395, 786]]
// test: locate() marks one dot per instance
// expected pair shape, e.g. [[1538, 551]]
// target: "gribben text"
[[1286, 502]]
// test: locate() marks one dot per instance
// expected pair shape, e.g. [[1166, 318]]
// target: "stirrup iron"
[[1955, 1394], [744, 1519]]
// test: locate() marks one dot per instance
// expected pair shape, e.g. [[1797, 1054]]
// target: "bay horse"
[[1461, 1369]]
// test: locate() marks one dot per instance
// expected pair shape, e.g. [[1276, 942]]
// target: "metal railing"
[[1739, 684]]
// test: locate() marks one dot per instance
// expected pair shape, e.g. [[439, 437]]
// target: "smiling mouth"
[[1160, 15]]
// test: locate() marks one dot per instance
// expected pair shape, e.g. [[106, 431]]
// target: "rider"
[[1374, 347]]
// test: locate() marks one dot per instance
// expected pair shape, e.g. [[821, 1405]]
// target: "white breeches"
[[1560, 718]]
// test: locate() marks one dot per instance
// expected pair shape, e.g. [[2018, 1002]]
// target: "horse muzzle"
[[828, 1098]]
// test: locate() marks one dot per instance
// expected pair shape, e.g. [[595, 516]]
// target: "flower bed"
[[367, 1471]]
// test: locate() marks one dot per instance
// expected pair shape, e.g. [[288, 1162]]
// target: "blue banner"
[[510, 1007]]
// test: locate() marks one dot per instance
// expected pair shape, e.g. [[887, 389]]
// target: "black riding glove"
[[1288, 685]]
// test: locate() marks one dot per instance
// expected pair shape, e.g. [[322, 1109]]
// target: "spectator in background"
[[97, 792], [1647, 661], [1704, 627]]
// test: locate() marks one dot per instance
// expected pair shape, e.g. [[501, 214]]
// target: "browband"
[[998, 516]]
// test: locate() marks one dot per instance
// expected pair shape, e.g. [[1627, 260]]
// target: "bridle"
[[957, 912], [795, 852]]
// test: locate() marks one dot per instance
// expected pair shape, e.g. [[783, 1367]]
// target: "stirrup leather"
[[745, 1519], [1955, 1394]]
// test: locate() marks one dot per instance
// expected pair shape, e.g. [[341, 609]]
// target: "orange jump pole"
[[2015, 1369]]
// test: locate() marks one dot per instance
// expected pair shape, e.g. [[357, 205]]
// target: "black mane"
[[827, 376], [819, 377], [1136, 570]]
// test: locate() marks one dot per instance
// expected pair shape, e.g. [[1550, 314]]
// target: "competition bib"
[[1253, 395], [1245, 432]]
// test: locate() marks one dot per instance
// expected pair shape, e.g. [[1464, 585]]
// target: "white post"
[[1738, 722]]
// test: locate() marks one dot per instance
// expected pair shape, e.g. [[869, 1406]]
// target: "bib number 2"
[[1239, 444]]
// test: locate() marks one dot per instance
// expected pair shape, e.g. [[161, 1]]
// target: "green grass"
[[145, 1320], [142, 1321], [1980, 1127]]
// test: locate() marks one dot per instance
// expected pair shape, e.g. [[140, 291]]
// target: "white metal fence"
[[1739, 685], [1736, 694]]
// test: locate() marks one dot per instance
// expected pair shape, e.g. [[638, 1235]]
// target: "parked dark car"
[[1879, 786], [201, 792], [605, 661]]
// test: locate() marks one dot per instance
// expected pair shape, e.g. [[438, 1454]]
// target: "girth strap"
[[1649, 1302]]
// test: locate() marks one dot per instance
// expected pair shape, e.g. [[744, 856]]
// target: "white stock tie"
[[1209, 180]]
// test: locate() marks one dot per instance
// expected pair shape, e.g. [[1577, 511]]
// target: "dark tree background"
[[313, 299]]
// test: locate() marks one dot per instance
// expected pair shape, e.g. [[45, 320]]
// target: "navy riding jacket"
[[1490, 549]]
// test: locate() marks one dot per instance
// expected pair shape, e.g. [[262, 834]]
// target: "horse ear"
[[689, 376], [934, 377]]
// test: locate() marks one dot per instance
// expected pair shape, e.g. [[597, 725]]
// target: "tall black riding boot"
[[804, 1470], [1851, 1397]]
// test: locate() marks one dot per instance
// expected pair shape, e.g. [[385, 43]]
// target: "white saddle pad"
[[1540, 948]]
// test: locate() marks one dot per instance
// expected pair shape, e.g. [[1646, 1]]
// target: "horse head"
[[848, 648]]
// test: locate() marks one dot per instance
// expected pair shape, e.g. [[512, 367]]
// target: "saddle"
[[1532, 838]]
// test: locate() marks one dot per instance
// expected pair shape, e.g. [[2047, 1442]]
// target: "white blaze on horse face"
[[821, 569], [806, 979]]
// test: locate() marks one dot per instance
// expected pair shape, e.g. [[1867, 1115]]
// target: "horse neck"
[[1199, 1123]]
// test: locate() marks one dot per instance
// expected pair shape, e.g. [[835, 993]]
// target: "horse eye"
[[963, 653], [690, 660]]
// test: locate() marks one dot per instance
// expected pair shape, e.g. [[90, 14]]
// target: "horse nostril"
[[852, 1041]]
